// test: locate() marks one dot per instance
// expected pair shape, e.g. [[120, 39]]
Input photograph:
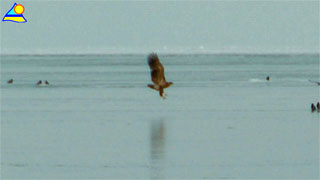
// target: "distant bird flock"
[[160, 82], [38, 83]]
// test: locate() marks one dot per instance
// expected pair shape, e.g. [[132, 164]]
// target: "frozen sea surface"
[[221, 119]]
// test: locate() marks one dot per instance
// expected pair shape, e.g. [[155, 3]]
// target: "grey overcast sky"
[[162, 26]]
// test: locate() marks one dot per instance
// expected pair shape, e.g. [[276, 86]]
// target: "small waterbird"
[[10, 81], [268, 78], [47, 83], [157, 75], [315, 82], [39, 82], [313, 108], [318, 106]]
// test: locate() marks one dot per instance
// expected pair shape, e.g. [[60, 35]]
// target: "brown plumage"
[[157, 75]]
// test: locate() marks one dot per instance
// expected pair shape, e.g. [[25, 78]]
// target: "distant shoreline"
[[171, 54]]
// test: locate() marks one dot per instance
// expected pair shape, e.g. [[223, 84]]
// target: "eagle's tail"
[[161, 92]]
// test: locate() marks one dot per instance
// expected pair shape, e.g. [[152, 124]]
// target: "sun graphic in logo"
[[19, 9]]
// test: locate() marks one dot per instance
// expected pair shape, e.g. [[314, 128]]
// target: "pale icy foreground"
[[98, 119]]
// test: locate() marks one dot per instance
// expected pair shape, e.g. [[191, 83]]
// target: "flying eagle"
[[157, 75]]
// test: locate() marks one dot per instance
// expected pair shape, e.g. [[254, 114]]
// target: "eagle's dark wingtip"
[[153, 54], [152, 57]]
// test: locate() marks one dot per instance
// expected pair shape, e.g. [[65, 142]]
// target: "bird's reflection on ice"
[[157, 148]]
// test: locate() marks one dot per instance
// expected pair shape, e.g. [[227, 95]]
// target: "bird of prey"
[[157, 75]]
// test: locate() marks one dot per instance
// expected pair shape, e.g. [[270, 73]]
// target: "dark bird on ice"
[[268, 78], [39, 82], [315, 82], [313, 108], [318, 106], [10, 81], [47, 83], [157, 75]]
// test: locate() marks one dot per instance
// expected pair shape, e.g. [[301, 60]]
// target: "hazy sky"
[[162, 26]]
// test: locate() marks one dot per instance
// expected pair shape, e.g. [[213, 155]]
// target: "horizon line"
[[161, 53]]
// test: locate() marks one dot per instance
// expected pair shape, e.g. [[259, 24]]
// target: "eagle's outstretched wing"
[[157, 70]]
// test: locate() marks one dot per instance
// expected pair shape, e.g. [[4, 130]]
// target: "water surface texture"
[[98, 118]]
